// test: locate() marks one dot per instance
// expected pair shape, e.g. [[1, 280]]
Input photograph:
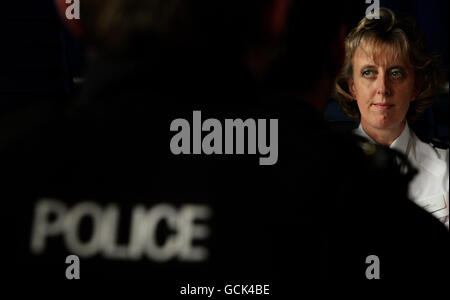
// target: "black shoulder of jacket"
[[384, 159]]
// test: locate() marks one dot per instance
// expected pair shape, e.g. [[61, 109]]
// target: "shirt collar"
[[400, 143]]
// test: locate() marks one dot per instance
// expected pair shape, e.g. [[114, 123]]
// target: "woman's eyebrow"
[[397, 67], [368, 66]]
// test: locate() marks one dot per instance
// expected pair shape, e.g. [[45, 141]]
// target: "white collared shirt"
[[430, 187]]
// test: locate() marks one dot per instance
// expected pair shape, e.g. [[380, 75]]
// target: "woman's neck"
[[383, 136]]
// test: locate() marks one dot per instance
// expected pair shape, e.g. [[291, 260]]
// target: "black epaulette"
[[440, 144]]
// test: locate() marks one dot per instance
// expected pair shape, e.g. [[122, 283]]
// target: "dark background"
[[42, 60]]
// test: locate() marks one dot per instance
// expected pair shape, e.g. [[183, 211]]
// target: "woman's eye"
[[368, 73], [396, 74]]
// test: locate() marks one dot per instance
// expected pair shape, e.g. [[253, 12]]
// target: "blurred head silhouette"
[[290, 46]]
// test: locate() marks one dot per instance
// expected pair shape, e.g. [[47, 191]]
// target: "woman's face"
[[383, 88]]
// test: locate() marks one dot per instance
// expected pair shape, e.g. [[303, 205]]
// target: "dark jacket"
[[317, 214]]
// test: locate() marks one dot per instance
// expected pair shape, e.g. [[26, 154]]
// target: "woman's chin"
[[384, 124], [381, 122]]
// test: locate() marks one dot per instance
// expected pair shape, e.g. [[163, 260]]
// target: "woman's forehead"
[[380, 53]]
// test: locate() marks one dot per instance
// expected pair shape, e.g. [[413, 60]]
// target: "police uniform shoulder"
[[439, 145], [441, 148], [434, 149]]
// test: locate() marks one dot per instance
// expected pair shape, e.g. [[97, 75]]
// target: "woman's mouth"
[[383, 106]]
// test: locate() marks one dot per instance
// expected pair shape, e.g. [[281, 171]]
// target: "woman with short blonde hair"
[[389, 78]]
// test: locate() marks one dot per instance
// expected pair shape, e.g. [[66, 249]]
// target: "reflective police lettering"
[[53, 218]]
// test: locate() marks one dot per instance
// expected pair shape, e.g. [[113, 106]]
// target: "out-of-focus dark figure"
[[101, 182]]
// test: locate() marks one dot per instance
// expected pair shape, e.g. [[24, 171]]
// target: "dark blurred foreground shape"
[[327, 204]]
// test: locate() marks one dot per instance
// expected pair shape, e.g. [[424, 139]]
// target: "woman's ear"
[[416, 93], [418, 84], [351, 87]]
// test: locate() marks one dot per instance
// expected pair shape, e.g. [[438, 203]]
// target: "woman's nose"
[[383, 87]]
